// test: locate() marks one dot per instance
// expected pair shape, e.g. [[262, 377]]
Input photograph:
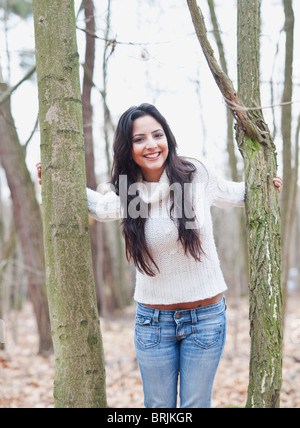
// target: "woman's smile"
[[153, 156]]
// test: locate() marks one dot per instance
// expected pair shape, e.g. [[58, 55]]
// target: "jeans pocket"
[[146, 335], [207, 336]]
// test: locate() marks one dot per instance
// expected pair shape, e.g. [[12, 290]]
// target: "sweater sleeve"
[[105, 207], [223, 193]]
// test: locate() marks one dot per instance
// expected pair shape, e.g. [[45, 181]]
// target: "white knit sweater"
[[180, 278]]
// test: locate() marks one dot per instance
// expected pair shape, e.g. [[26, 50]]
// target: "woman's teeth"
[[154, 155]]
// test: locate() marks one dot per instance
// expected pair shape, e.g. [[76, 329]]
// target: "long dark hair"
[[178, 171]]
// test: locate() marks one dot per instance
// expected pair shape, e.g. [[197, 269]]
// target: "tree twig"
[[32, 133], [6, 94], [241, 108], [239, 111]]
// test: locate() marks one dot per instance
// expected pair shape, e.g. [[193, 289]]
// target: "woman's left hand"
[[278, 183]]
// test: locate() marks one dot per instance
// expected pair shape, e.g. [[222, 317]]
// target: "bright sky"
[[166, 76]]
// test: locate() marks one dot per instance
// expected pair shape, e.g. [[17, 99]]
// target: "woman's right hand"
[[39, 171]]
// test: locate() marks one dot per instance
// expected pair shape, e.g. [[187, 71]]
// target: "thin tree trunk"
[[241, 270], [27, 218], [230, 136], [115, 251], [88, 6], [2, 261], [262, 207], [235, 175], [79, 360], [96, 228], [288, 205]]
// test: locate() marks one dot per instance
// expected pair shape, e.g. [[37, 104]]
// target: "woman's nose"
[[151, 143]]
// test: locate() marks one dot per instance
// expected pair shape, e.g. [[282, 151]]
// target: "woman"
[[164, 202]]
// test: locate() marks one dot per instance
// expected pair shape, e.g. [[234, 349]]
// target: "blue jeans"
[[184, 344]]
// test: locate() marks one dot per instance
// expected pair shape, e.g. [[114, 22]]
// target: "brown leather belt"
[[188, 305]]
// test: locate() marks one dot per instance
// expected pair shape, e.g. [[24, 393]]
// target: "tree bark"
[[79, 368], [27, 218], [262, 207]]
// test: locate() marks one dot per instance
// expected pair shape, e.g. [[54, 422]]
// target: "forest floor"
[[26, 379]]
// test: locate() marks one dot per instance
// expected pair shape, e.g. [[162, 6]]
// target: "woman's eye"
[[142, 139]]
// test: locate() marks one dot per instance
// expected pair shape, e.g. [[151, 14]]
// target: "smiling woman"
[[179, 286], [180, 325]]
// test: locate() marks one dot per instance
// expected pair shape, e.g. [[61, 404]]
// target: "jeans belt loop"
[[156, 316], [194, 316]]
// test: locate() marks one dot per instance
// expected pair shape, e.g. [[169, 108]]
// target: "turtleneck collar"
[[154, 192]]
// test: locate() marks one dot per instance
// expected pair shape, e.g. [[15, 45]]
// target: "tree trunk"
[[263, 220], [114, 244], [262, 207], [2, 262], [79, 368], [223, 62], [235, 174], [96, 228], [289, 193], [27, 219]]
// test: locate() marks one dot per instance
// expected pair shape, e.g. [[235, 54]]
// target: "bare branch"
[[225, 85], [6, 94], [32, 133], [118, 42], [238, 107]]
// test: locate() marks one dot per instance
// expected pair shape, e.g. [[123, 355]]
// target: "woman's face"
[[149, 147]]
